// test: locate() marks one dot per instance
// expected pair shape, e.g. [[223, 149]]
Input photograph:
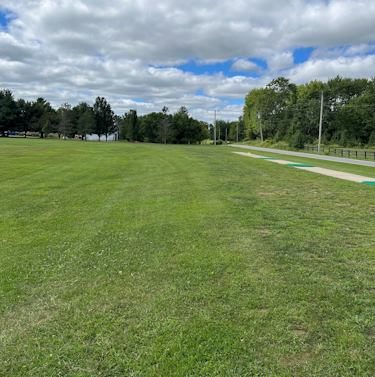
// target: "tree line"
[[39, 117], [283, 111], [162, 127], [31, 118], [20, 117]]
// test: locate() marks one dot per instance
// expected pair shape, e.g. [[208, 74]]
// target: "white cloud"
[[353, 50], [72, 50], [324, 69], [244, 65], [280, 61]]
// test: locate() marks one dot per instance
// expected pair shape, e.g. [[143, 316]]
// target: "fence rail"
[[342, 152]]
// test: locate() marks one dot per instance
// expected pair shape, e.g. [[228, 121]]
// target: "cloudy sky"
[[203, 54]]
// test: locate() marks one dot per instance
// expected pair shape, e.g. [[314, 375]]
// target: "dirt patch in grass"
[[296, 359], [264, 232], [267, 194], [32, 315], [299, 332]]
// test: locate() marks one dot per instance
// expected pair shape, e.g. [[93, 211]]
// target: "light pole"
[[215, 127], [320, 122], [260, 127]]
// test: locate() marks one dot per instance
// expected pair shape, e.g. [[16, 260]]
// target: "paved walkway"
[[308, 155], [328, 172]]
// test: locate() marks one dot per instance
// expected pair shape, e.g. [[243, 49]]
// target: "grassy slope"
[[146, 260]]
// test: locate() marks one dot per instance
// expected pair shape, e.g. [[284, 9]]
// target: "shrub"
[[297, 140]]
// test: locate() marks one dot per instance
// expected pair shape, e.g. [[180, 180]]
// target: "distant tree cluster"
[[161, 127], [39, 117], [20, 117], [283, 111], [228, 131]]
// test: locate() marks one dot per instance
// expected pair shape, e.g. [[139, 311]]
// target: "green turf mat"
[[301, 165], [369, 183]]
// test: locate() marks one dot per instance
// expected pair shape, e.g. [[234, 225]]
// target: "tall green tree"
[[38, 110], [84, 118], [180, 126], [24, 116], [151, 126], [130, 127], [187, 130], [104, 123], [86, 123], [287, 112], [66, 121], [8, 111], [339, 93], [304, 125], [236, 130], [49, 122]]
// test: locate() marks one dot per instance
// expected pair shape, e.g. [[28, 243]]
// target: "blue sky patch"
[[198, 68], [100, 57], [260, 62], [138, 99], [234, 101], [200, 92], [300, 55], [5, 17]]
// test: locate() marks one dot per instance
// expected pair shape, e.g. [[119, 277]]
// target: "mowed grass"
[[366, 171], [150, 260]]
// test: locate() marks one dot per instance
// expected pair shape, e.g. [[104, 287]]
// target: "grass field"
[[348, 168], [150, 260]]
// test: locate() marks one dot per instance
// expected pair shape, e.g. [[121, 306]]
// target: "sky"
[[202, 54]]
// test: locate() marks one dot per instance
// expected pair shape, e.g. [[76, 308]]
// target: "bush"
[[371, 140], [281, 145], [298, 140]]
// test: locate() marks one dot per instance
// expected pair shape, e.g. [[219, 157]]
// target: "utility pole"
[[320, 122], [215, 127], [164, 123], [237, 132], [260, 128], [226, 135]]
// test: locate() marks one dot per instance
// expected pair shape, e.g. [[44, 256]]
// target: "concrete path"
[[308, 155], [327, 172]]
